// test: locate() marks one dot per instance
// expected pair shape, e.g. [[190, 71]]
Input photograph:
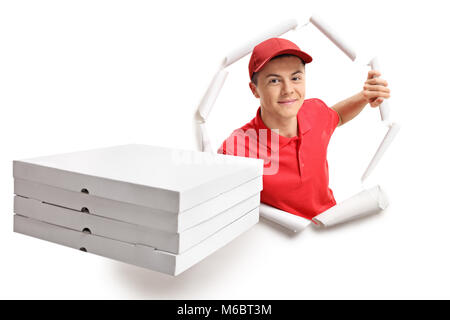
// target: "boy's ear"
[[253, 88]]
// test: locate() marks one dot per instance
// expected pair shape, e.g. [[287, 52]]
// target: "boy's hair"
[[255, 74]]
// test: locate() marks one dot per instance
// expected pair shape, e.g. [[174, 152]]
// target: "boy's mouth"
[[287, 102]]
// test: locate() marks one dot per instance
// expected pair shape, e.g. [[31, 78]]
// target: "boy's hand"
[[375, 89]]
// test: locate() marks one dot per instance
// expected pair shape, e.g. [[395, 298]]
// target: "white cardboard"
[[156, 177], [126, 232], [135, 214], [139, 255]]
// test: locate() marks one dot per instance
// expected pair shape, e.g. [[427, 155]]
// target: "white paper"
[[275, 31], [212, 93], [365, 203], [387, 140], [333, 36], [283, 218], [206, 142], [384, 107]]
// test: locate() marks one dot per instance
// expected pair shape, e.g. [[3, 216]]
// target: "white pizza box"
[[136, 254], [131, 233], [161, 178], [137, 214]]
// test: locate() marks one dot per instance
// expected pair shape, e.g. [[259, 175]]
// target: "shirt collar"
[[302, 122]]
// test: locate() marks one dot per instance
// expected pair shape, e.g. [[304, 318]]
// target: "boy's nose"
[[287, 88]]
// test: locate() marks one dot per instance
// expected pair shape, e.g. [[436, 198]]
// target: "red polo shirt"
[[296, 171]]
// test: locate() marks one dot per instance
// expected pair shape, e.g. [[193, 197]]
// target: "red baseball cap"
[[271, 48]]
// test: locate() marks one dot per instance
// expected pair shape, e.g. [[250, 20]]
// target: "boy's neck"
[[288, 127]]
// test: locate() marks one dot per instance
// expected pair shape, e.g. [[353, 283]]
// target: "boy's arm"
[[374, 92]]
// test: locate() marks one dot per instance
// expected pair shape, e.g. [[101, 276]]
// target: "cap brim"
[[302, 55]]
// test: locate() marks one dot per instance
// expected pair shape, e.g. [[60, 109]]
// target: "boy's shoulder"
[[313, 105], [316, 110]]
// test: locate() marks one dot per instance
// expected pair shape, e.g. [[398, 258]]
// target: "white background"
[[76, 75]]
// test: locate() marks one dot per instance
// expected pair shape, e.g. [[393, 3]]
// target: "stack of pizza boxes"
[[159, 208]]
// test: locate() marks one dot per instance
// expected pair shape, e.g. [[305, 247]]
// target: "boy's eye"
[[278, 80]]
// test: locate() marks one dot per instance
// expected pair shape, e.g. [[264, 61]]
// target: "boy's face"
[[281, 87]]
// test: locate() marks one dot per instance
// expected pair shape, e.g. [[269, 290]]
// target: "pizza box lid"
[[173, 180]]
